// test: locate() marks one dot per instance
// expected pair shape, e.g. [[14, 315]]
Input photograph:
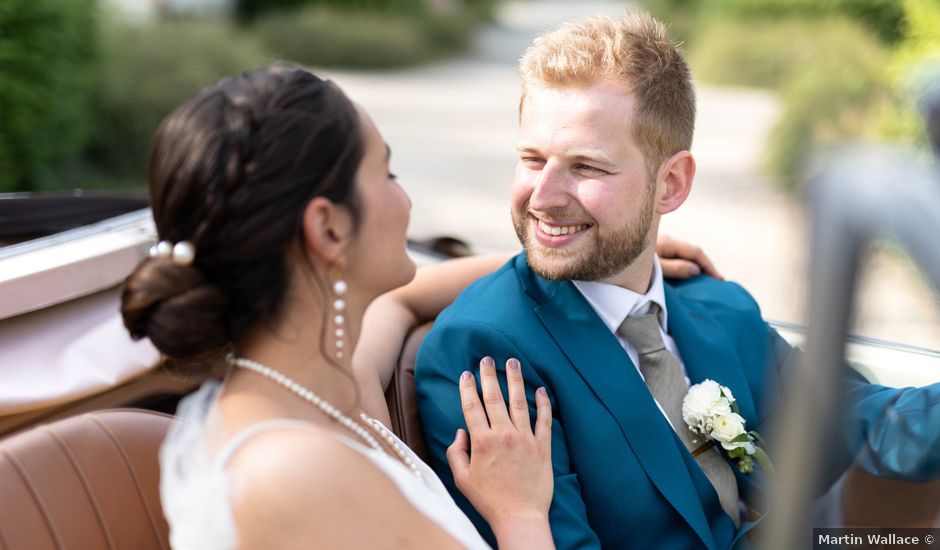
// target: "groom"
[[606, 123]]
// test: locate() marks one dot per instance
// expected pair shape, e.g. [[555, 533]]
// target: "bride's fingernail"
[[466, 375], [513, 364], [543, 391], [488, 361]]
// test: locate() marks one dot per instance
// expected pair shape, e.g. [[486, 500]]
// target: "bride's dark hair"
[[231, 171]]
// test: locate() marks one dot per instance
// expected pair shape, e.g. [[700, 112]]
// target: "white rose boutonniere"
[[710, 410]]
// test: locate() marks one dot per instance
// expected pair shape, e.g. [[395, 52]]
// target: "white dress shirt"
[[613, 304]]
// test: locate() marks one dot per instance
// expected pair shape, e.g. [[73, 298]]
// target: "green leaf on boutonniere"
[[734, 407], [745, 464], [764, 459], [743, 438]]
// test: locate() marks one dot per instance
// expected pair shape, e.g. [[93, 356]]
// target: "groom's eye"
[[592, 170], [533, 161]]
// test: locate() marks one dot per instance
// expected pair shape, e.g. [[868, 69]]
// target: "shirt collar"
[[614, 303]]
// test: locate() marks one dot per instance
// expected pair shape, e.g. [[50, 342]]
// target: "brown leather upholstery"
[[86, 482], [870, 501], [139, 392], [401, 398]]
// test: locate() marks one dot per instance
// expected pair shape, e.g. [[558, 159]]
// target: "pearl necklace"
[[331, 411]]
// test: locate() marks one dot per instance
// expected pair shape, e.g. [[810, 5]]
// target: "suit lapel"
[[707, 350], [600, 360]]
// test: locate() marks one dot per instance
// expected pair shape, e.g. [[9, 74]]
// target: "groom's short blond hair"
[[634, 49]]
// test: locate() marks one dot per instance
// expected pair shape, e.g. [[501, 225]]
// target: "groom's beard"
[[595, 256]]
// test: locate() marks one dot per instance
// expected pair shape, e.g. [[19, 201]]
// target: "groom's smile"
[[556, 234]]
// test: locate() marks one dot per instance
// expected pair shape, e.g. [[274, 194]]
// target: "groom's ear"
[[674, 182], [327, 229]]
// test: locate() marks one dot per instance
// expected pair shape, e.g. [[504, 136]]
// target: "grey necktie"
[[666, 381]]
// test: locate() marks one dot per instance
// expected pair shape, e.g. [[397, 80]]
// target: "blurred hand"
[[681, 260], [506, 471]]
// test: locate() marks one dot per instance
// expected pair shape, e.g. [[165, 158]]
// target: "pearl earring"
[[339, 289]]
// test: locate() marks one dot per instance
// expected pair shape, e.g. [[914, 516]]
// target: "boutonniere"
[[711, 411]]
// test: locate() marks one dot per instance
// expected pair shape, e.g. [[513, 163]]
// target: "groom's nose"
[[552, 188]]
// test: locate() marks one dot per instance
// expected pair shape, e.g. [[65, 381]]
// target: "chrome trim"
[[860, 339], [116, 223]]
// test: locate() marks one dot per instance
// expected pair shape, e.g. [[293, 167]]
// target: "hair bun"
[[174, 306]]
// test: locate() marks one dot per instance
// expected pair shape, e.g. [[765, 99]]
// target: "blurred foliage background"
[[48, 51], [843, 69], [83, 87]]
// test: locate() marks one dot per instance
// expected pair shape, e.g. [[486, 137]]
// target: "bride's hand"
[[506, 470], [681, 260]]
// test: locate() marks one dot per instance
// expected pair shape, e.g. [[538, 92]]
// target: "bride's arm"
[[391, 316]]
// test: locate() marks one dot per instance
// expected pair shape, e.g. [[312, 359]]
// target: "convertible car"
[[83, 408]]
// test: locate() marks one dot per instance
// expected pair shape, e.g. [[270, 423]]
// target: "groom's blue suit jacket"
[[623, 478]]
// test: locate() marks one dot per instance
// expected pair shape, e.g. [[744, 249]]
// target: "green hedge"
[[883, 17], [81, 93], [914, 66], [831, 99], [844, 69], [250, 10], [886, 18], [147, 71], [828, 71], [322, 37], [319, 37], [764, 53], [48, 52]]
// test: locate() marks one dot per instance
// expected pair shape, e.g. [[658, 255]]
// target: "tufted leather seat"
[[401, 396], [87, 482]]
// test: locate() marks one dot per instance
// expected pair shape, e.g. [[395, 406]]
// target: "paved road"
[[452, 128]]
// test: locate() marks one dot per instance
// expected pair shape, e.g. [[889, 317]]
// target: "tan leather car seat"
[[401, 396], [87, 482]]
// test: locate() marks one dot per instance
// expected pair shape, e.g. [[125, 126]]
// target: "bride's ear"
[[327, 229]]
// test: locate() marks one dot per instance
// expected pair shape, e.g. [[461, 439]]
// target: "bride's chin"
[[405, 275], [408, 274]]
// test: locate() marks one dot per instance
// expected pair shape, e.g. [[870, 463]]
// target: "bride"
[[279, 224]]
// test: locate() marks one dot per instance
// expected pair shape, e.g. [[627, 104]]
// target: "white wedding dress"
[[194, 486]]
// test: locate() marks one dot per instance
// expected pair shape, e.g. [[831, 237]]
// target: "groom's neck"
[[638, 276]]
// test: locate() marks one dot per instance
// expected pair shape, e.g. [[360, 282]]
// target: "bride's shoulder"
[[262, 448], [291, 456], [304, 484], [306, 466]]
